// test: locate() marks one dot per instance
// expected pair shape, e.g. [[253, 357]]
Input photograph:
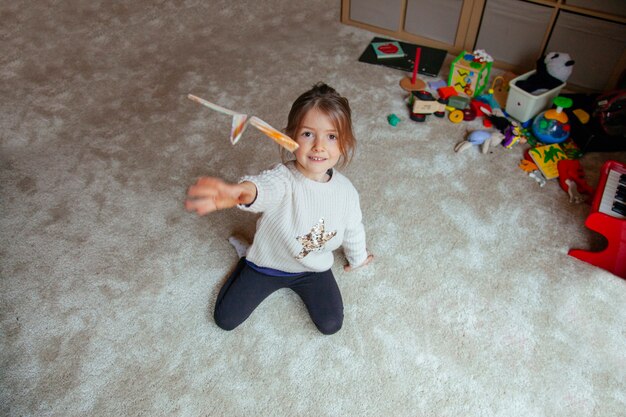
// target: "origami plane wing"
[[241, 121], [278, 137]]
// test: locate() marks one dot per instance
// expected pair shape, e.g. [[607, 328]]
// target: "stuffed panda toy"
[[552, 71]]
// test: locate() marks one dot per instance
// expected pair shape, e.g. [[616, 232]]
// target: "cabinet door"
[[444, 24], [383, 14], [596, 45], [433, 19], [616, 7], [512, 31]]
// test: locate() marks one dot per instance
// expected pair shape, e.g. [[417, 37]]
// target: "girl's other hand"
[[211, 194], [349, 268]]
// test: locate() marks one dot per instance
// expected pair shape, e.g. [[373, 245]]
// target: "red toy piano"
[[608, 217]]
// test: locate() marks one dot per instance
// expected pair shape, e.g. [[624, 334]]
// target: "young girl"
[[308, 210]]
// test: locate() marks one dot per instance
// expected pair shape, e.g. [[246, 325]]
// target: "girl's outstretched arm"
[[211, 194]]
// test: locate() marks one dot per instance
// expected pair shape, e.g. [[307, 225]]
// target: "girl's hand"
[[349, 268], [211, 194]]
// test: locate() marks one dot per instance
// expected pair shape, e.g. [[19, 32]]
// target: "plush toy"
[[572, 180], [552, 70], [484, 138]]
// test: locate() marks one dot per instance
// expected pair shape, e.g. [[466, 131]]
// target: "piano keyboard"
[[613, 200]]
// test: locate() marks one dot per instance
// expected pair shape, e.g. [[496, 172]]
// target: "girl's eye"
[[307, 134], [332, 137]]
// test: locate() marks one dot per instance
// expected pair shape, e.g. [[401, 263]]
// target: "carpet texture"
[[472, 306]]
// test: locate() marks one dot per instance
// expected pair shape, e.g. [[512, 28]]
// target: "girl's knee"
[[225, 322], [330, 326]]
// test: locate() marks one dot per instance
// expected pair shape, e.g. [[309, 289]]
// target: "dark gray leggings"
[[246, 288]]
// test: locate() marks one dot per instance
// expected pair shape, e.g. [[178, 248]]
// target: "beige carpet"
[[471, 308]]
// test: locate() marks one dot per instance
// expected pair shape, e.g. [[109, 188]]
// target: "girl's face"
[[319, 146]]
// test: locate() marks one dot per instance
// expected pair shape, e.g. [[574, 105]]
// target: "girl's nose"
[[318, 143]]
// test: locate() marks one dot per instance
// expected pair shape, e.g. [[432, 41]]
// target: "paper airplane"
[[241, 121]]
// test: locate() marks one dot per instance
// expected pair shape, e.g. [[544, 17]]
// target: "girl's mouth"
[[316, 158]]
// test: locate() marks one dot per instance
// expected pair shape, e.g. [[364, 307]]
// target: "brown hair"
[[336, 107]]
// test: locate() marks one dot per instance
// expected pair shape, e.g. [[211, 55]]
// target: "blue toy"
[[489, 99], [552, 126]]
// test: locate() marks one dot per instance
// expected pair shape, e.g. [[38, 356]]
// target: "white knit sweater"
[[292, 206]]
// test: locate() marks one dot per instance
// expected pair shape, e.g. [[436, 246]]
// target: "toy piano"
[[608, 217]]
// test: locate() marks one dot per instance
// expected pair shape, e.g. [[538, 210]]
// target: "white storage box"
[[523, 106]]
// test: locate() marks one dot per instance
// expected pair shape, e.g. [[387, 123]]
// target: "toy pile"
[[529, 110]]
